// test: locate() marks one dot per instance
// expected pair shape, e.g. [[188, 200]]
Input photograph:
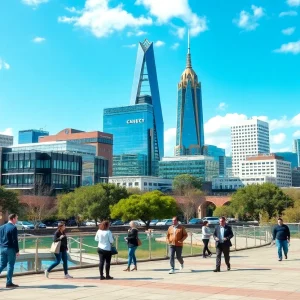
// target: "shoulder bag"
[[55, 247]]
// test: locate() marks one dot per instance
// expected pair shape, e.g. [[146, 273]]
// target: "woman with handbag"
[[60, 238], [133, 242], [105, 239]]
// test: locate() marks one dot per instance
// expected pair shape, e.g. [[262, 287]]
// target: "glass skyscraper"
[[189, 131], [138, 129], [297, 150], [31, 136]]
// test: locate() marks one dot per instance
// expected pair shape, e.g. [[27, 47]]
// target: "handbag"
[[55, 247], [139, 242], [114, 250]]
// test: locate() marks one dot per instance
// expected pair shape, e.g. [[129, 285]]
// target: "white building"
[[226, 183], [249, 138], [6, 140], [266, 168], [144, 183]]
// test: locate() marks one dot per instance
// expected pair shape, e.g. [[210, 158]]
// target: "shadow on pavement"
[[54, 287], [121, 278]]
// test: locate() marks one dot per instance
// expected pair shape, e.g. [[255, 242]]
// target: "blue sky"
[[63, 61]]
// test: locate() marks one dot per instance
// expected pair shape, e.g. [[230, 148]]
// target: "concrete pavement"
[[256, 275]]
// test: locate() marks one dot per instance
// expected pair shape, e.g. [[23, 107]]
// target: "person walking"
[[60, 235], [132, 243], [176, 234], [104, 238], [281, 234], [206, 233], [222, 235], [9, 248]]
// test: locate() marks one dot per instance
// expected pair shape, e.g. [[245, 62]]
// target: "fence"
[[35, 253]]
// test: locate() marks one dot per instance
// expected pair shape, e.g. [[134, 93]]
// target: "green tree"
[[151, 205], [185, 182], [251, 201], [9, 201], [90, 202], [223, 211]]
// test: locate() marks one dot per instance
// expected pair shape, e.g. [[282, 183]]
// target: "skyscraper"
[[189, 131], [138, 129], [31, 136], [297, 150]]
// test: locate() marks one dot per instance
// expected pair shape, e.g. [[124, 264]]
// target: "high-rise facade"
[[138, 129], [6, 140], [297, 150], [189, 130], [289, 156], [249, 138], [31, 136]]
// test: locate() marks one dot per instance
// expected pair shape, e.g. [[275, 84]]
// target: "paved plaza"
[[256, 275]]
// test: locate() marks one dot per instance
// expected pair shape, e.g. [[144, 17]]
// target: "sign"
[[135, 121]]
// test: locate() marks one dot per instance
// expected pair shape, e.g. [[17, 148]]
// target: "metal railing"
[[35, 255]]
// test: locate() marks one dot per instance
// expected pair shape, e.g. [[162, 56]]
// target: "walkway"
[[256, 275]]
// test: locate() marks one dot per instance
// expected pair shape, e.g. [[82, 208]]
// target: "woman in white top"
[[206, 233], [104, 238]]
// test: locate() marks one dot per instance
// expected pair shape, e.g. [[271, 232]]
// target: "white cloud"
[[7, 131], [103, 20], [4, 65], [175, 46], [296, 134], [170, 141], [292, 47], [137, 33], [73, 10], [39, 39], [34, 2], [178, 31], [278, 139], [288, 31], [159, 43], [293, 2], [222, 106], [179, 9], [129, 46], [290, 13], [249, 20]]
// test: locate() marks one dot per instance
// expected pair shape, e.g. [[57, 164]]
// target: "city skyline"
[[58, 76]]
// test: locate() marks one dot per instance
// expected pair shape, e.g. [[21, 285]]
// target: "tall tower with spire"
[[189, 130]]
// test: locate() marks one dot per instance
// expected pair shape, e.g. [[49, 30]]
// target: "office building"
[[31, 136], [225, 166], [260, 168], [6, 140], [138, 129], [189, 130], [249, 138], [226, 184], [200, 166], [42, 173], [296, 177], [289, 156], [213, 151], [297, 150], [144, 183], [102, 141], [94, 168]]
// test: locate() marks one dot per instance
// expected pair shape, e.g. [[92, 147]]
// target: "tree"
[[9, 201], [146, 207], [251, 201], [185, 182], [90, 202], [223, 211]]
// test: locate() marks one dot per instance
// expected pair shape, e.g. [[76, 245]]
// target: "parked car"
[[55, 223], [71, 223], [164, 222], [212, 220], [24, 225], [231, 220], [154, 222], [195, 221], [117, 223], [139, 223], [40, 225], [90, 223]]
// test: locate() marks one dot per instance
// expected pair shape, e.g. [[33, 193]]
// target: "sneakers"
[[11, 286], [67, 276], [280, 259], [285, 256], [46, 273], [172, 271], [182, 267]]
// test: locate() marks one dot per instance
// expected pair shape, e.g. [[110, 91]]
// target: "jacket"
[[228, 234], [281, 233], [132, 238], [64, 241], [178, 238], [206, 233], [9, 236]]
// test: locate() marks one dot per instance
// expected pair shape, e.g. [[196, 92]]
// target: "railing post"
[[69, 245], [235, 247], [191, 243], [260, 236], [80, 251], [255, 236], [246, 239], [167, 249], [117, 243], [150, 247], [36, 256], [24, 245]]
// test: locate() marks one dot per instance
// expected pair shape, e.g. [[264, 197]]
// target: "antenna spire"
[[188, 58]]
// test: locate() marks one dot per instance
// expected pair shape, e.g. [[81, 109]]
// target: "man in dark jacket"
[[9, 248], [281, 233], [222, 235]]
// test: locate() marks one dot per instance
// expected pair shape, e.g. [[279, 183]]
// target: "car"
[[212, 220], [117, 223], [71, 223], [165, 222], [40, 225], [90, 223], [154, 222], [231, 220], [24, 225], [195, 221], [139, 223]]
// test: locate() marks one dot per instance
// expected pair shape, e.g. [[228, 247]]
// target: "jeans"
[[104, 256], [205, 248], [7, 259], [282, 244], [60, 256], [178, 251], [131, 256]]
